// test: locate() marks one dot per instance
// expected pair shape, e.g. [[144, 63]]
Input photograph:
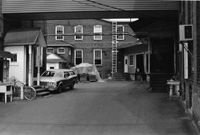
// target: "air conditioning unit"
[[186, 32]]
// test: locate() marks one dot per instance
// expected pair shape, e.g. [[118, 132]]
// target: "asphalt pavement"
[[98, 108]]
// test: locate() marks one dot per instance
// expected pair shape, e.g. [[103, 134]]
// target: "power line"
[[91, 34]]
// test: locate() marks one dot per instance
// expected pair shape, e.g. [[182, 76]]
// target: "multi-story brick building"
[[92, 44]]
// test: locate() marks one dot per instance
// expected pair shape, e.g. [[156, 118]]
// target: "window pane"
[[131, 60], [97, 57], [61, 51], [59, 30], [78, 31], [14, 59], [78, 61], [120, 30], [98, 31], [49, 51], [98, 62], [78, 56]]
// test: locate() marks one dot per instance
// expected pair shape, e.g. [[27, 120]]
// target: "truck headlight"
[[52, 84]]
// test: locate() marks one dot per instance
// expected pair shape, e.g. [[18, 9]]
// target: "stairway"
[[158, 82], [118, 77], [41, 92]]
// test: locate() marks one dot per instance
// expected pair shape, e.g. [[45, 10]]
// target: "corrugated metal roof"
[[35, 6]]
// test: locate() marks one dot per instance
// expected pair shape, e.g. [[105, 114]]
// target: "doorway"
[[125, 64], [140, 62]]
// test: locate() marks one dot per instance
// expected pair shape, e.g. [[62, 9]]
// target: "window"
[[78, 56], [14, 59], [131, 63], [120, 31], [61, 50], [50, 50], [59, 30], [78, 30], [98, 57], [98, 32]]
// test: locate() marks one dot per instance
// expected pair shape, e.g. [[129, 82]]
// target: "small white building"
[[55, 62], [27, 47]]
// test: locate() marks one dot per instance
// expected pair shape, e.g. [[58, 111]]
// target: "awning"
[[4, 54], [25, 37], [127, 45], [142, 22]]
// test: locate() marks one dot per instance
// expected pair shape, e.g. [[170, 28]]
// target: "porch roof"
[[20, 37], [5, 54]]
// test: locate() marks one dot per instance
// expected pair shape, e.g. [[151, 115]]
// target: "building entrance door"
[[125, 64]]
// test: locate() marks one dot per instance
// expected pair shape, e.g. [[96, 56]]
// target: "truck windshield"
[[48, 74]]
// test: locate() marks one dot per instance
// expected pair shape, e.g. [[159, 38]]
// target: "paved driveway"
[[109, 108]]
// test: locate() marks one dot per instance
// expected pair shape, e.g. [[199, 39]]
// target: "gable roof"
[[25, 37], [54, 58]]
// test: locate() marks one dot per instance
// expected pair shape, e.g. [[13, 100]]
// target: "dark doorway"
[[162, 57], [140, 62]]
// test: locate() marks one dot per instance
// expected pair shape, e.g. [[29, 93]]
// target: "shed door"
[[125, 64]]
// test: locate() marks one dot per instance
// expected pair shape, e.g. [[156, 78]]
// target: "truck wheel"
[[72, 86], [59, 90]]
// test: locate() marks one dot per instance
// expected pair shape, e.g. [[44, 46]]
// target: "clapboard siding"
[[35, 6]]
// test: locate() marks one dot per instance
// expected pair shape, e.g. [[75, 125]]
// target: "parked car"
[[57, 79]]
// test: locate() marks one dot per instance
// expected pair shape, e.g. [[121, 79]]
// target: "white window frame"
[[129, 60], [97, 30], [118, 36], [75, 51], [58, 52], [94, 52], [81, 32], [49, 52], [56, 32]]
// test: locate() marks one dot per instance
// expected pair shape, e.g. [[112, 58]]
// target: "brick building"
[[189, 61], [87, 48]]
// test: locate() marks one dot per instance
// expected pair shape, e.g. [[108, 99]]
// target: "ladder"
[[114, 47]]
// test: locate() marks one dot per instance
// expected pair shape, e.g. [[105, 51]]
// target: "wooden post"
[[38, 64], [30, 78]]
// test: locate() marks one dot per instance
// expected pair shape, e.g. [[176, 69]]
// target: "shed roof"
[[24, 37]]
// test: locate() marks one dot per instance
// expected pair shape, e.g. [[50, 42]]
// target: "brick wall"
[[190, 15], [1, 26]]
